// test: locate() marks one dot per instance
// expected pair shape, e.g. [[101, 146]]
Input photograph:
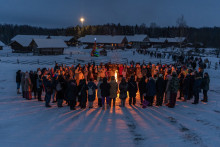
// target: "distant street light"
[[82, 20]]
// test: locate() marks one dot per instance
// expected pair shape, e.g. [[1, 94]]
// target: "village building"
[[106, 41], [175, 42], [138, 41], [167, 42], [47, 46]]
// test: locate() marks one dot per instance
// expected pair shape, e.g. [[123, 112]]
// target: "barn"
[[175, 42], [138, 41], [167, 42], [47, 46], [157, 42]]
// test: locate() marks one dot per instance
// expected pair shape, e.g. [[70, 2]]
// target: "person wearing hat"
[[174, 86], [196, 87], [186, 85], [113, 91], [39, 85], [191, 83], [48, 89], [132, 89], [105, 92], [150, 91], [205, 87], [142, 89], [54, 84], [18, 81], [27, 86], [160, 89]]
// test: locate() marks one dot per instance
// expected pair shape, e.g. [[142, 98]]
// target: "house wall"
[[49, 51]]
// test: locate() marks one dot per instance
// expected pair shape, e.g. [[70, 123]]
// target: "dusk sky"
[[64, 13]]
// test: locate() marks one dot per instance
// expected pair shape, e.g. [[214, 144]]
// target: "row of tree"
[[210, 37]]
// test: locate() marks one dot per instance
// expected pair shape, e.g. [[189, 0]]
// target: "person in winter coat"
[[113, 91], [124, 72], [191, 83], [99, 93], [120, 69], [56, 67], [71, 93], [18, 81], [123, 87], [82, 93], [181, 77], [193, 64], [39, 86], [197, 88], [77, 75], [102, 72], [150, 91], [138, 73], [60, 88], [205, 87], [48, 89], [34, 84], [22, 84], [105, 92], [186, 85], [160, 89], [142, 87], [174, 86], [27, 86], [132, 89], [144, 71], [167, 80], [91, 92], [54, 83]]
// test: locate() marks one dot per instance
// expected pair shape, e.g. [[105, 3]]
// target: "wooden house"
[[138, 41]]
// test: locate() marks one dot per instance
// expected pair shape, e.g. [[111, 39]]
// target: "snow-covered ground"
[[29, 123]]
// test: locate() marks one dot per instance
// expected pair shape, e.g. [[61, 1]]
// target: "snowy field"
[[26, 123]]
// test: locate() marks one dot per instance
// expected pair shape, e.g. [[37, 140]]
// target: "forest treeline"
[[210, 37]]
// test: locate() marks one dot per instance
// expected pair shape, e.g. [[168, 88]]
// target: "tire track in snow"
[[188, 134], [138, 138]]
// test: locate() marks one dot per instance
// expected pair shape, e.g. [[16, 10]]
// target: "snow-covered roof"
[[50, 43], [2, 44], [136, 38], [157, 40], [101, 39], [64, 38], [173, 40], [176, 39], [25, 40]]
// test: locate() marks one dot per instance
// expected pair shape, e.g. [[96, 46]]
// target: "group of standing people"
[[156, 84]]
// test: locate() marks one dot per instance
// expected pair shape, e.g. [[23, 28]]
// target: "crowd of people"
[[156, 84]]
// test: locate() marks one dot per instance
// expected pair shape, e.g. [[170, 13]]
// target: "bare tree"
[[182, 29], [153, 27]]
